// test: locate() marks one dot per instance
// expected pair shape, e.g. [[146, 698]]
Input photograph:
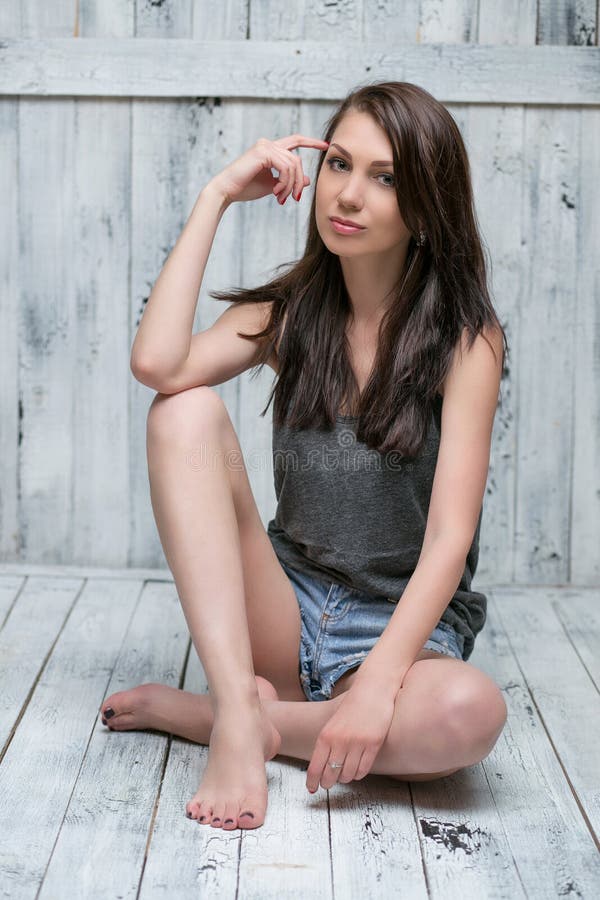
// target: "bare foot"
[[165, 708], [228, 788], [233, 790]]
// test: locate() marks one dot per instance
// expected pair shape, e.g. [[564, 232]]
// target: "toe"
[[192, 809], [218, 815], [247, 819], [120, 723], [204, 814], [114, 705], [230, 817]]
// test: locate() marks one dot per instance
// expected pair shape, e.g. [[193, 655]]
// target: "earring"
[[422, 237]]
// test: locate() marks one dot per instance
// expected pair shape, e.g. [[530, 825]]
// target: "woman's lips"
[[344, 229]]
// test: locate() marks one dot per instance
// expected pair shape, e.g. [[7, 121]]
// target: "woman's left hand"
[[352, 736]]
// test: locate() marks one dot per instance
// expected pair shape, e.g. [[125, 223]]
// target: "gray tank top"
[[350, 514]]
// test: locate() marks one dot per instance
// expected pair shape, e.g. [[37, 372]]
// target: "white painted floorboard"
[[89, 813]]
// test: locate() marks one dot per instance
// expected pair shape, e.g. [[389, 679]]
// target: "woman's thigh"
[[271, 604]]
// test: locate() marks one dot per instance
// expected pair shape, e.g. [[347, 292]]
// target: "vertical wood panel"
[[10, 399], [567, 22], [448, 23], [547, 346], [509, 22], [47, 327], [495, 148], [584, 549], [97, 273]]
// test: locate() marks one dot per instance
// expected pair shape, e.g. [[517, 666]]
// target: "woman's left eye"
[[335, 159]]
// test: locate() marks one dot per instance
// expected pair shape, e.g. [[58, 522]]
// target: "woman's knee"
[[194, 409], [476, 712]]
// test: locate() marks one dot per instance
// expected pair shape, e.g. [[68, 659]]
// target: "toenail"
[[216, 820], [109, 713], [202, 818], [228, 821], [189, 815], [103, 720], [248, 814]]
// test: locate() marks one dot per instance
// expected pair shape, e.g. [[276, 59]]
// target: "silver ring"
[[336, 765]]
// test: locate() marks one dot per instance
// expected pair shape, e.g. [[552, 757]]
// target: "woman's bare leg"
[[428, 738], [194, 510]]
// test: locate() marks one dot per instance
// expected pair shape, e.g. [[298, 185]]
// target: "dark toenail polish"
[[202, 818], [248, 814], [228, 821], [216, 820], [109, 713], [189, 815], [103, 720]]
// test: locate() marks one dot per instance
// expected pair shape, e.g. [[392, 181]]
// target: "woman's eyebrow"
[[376, 162]]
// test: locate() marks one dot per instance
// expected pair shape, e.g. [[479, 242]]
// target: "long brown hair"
[[443, 288]]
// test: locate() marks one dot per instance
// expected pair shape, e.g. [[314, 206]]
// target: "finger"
[[331, 776], [351, 764], [287, 174], [366, 763], [296, 181], [316, 765], [293, 141]]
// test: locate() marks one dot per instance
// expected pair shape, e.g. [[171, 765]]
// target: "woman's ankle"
[[238, 703]]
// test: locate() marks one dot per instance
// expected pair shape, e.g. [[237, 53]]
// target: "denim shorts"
[[341, 625]]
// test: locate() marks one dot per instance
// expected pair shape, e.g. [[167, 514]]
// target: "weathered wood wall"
[[104, 145]]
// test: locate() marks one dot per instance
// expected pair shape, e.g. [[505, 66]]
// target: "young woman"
[[389, 358]]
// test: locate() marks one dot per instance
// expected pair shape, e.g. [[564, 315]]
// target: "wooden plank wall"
[[96, 188]]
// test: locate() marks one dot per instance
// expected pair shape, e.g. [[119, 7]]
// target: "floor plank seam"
[[546, 731], [556, 609], [501, 820], [37, 678], [155, 806]]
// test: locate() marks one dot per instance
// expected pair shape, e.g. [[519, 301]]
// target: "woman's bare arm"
[[163, 339]]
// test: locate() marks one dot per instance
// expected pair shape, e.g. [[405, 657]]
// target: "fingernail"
[[109, 713]]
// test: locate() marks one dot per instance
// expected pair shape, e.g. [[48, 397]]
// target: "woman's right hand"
[[249, 177]]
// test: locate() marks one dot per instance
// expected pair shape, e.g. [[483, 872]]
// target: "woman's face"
[[359, 190]]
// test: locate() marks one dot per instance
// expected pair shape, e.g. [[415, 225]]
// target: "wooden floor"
[[85, 812]]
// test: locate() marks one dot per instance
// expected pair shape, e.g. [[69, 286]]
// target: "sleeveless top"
[[350, 514]]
